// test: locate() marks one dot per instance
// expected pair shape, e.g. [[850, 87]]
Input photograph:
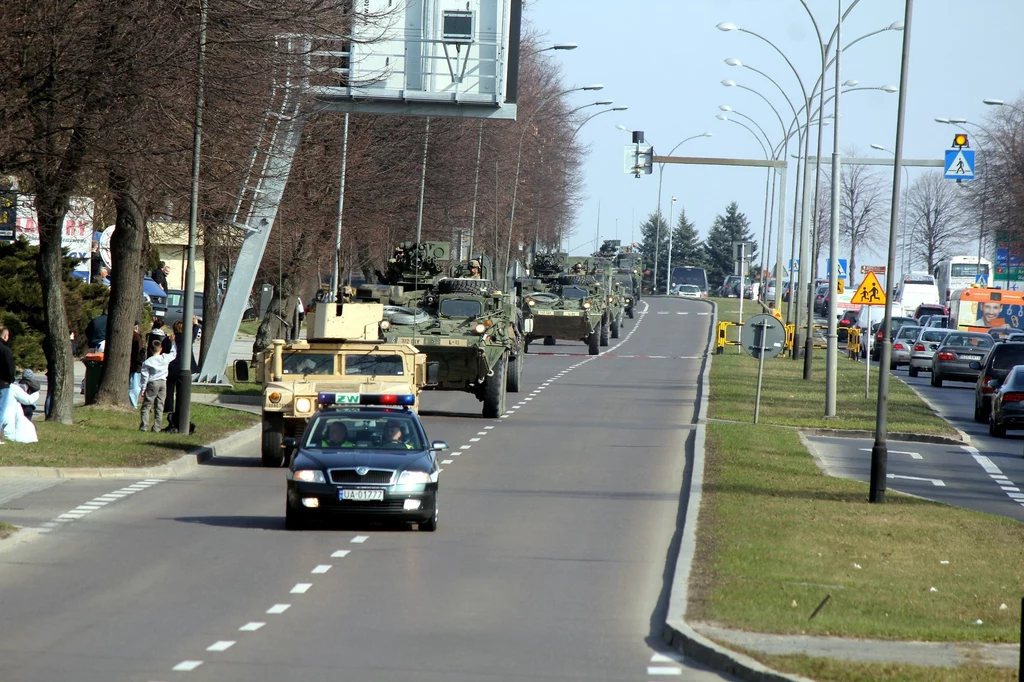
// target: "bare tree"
[[863, 204], [936, 213]]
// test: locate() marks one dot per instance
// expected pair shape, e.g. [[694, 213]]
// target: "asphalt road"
[[553, 559], [997, 460]]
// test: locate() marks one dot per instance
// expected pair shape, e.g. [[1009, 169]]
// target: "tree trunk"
[[125, 306], [852, 265], [213, 259], [60, 369]]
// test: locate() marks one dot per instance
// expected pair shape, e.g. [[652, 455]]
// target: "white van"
[[916, 288]]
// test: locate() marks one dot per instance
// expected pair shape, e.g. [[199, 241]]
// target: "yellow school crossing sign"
[[870, 292]]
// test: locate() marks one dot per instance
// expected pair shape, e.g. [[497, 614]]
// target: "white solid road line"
[[934, 481], [914, 455]]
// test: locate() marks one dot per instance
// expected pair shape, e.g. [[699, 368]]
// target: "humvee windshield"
[[458, 307], [308, 363], [374, 365]]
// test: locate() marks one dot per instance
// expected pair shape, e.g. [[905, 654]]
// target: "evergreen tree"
[[648, 248], [718, 252], [686, 246]]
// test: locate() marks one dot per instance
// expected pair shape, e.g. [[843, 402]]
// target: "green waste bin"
[[93, 374]]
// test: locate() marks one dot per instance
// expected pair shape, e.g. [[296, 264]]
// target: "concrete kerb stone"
[[676, 632], [963, 434], [243, 440]]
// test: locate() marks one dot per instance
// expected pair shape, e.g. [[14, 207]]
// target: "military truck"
[[617, 302], [472, 330], [344, 353], [571, 309]]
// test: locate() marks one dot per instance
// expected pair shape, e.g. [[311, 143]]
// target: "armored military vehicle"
[[604, 271], [571, 309], [345, 354], [472, 330]]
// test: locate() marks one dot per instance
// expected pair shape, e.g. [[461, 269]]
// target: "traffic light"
[[840, 285], [960, 140]]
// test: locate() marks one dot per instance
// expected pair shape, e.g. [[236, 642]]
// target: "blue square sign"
[[959, 164]]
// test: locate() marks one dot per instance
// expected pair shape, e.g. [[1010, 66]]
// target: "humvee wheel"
[[515, 373], [494, 389], [604, 330], [593, 343], [273, 454], [629, 311], [549, 340], [615, 328]]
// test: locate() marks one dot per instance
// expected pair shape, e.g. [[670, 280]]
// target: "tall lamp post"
[[903, 213], [657, 227], [668, 267], [519, 163]]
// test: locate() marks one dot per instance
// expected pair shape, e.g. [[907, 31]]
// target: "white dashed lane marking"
[[1005, 484], [251, 627], [446, 461], [663, 670], [321, 569], [278, 608], [359, 539], [340, 554], [301, 588], [223, 645], [187, 666]]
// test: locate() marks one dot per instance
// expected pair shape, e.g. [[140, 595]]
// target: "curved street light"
[[904, 264], [519, 163]]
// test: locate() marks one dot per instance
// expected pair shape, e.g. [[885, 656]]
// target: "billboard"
[[77, 238]]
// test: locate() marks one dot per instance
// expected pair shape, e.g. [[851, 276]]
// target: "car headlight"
[[307, 476], [303, 405], [586, 305], [385, 325], [480, 328], [530, 302], [413, 477]]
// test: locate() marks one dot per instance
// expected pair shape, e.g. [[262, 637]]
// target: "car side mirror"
[[290, 443], [241, 370], [975, 365], [438, 446], [433, 373], [992, 384]]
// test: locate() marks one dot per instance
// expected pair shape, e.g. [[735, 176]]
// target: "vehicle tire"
[[577, 279], [463, 285], [549, 340], [996, 430], [514, 382], [593, 343], [294, 519], [979, 415], [629, 312], [494, 389], [936, 380], [431, 525], [272, 451], [912, 371], [614, 328], [893, 367], [604, 330]]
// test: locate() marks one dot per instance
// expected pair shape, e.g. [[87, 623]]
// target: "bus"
[[688, 274], [960, 272], [979, 309]]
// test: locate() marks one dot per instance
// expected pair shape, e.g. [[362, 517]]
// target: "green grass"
[[834, 670], [776, 536], [6, 530], [110, 437], [249, 327], [787, 399]]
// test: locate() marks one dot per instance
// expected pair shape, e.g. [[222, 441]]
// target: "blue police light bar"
[[366, 399]]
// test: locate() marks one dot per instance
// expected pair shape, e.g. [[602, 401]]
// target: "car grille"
[[387, 507], [352, 476]]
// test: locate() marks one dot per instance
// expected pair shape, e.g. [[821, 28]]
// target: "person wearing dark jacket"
[[160, 275], [8, 375], [174, 378], [96, 331], [135, 367]]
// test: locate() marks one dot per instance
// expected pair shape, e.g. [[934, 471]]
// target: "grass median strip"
[[6, 530], [110, 437]]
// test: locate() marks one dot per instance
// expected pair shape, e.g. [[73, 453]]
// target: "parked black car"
[[992, 371]]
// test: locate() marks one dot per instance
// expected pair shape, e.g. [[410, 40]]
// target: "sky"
[[664, 59]]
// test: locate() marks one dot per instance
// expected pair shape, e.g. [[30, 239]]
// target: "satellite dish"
[[105, 246]]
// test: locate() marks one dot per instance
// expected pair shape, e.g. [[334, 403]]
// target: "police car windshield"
[[573, 293], [373, 364], [308, 363], [390, 432]]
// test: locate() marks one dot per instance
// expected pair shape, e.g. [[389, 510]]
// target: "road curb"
[[966, 437], [676, 632], [857, 433], [241, 440]]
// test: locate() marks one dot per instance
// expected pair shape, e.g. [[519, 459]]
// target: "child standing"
[[154, 383]]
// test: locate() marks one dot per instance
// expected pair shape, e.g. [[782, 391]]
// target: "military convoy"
[[345, 353], [457, 317]]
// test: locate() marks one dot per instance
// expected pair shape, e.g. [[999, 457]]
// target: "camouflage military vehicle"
[[473, 331], [572, 309], [344, 353], [605, 272], [630, 273]]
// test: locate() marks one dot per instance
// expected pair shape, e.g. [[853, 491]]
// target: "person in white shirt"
[[154, 383]]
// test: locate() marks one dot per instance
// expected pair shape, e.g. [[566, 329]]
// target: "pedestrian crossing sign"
[[870, 292], [959, 164]]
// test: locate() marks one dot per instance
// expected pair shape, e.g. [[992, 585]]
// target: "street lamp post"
[[657, 227], [903, 212], [668, 266]]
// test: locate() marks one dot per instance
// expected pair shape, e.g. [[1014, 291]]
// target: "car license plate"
[[970, 357], [361, 495]]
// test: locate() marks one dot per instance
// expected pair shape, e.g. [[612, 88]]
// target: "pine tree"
[[718, 252], [686, 246], [647, 248]]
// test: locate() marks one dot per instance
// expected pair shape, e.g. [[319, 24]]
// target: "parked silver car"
[[955, 355], [924, 348], [902, 343]]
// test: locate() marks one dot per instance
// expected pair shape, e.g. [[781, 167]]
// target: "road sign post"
[[763, 335]]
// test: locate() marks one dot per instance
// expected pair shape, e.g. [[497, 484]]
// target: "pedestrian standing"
[[154, 383], [174, 370], [96, 332], [135, 367], [160, 275], [7, 375]]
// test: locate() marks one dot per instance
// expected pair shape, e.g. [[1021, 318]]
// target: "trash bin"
[[93, 374]]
